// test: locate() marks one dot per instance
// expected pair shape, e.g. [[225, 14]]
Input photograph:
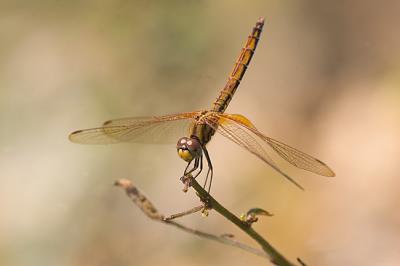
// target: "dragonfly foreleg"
[[194, 168]]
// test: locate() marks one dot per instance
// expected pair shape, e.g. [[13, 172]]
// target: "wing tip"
[[71, 136], [107, 122], [327, 171], [331, 174]]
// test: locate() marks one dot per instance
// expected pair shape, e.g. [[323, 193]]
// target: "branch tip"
[[123, 183]]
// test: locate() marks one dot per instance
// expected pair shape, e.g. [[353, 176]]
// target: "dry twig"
[[209, 203]]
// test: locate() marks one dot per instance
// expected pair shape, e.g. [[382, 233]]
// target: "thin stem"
[[275, 257], [221, 239], [150, 211], [181, 214]]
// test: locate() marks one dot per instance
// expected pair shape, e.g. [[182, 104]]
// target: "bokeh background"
[[325, 79]]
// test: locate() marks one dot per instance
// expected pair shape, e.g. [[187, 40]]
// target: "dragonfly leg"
[[201, 167], [210, 170], [186, 172], [187, 166], [195, 166]]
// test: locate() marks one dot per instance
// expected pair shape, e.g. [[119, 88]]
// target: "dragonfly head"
[[188, 148]]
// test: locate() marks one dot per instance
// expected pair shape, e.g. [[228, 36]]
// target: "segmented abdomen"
[[239, 69]]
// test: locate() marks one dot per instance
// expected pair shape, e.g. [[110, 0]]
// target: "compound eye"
[[182, 142], [193, 145]]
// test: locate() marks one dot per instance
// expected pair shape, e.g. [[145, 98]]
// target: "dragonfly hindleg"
[[209, 171]]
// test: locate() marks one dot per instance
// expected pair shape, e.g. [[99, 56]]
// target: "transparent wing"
[[299, 159], [154, 129], [290, 154], [244, 138]]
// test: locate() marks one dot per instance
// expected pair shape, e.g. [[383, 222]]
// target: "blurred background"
[[325, 79]]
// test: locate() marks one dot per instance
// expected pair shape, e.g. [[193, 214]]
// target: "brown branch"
[[181, 214], [150, 211], [274, 256], [210, 203]]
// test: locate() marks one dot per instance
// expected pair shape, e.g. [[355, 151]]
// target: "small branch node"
[[186, 180], [252, 215]]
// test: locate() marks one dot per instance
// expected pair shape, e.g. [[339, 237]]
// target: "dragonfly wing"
[[154, 129], [299, 158], [290, 154], [243, 137]]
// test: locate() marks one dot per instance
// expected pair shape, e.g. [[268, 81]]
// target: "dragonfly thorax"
[[188, 148]]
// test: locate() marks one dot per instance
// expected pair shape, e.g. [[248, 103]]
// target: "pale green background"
[[325, 78]]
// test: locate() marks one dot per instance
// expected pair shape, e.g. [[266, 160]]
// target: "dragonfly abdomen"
[[239, 69]]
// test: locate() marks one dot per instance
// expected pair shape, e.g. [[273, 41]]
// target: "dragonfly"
[[198, 127]]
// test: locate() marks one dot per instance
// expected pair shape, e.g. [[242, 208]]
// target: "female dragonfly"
[[198, 127]]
